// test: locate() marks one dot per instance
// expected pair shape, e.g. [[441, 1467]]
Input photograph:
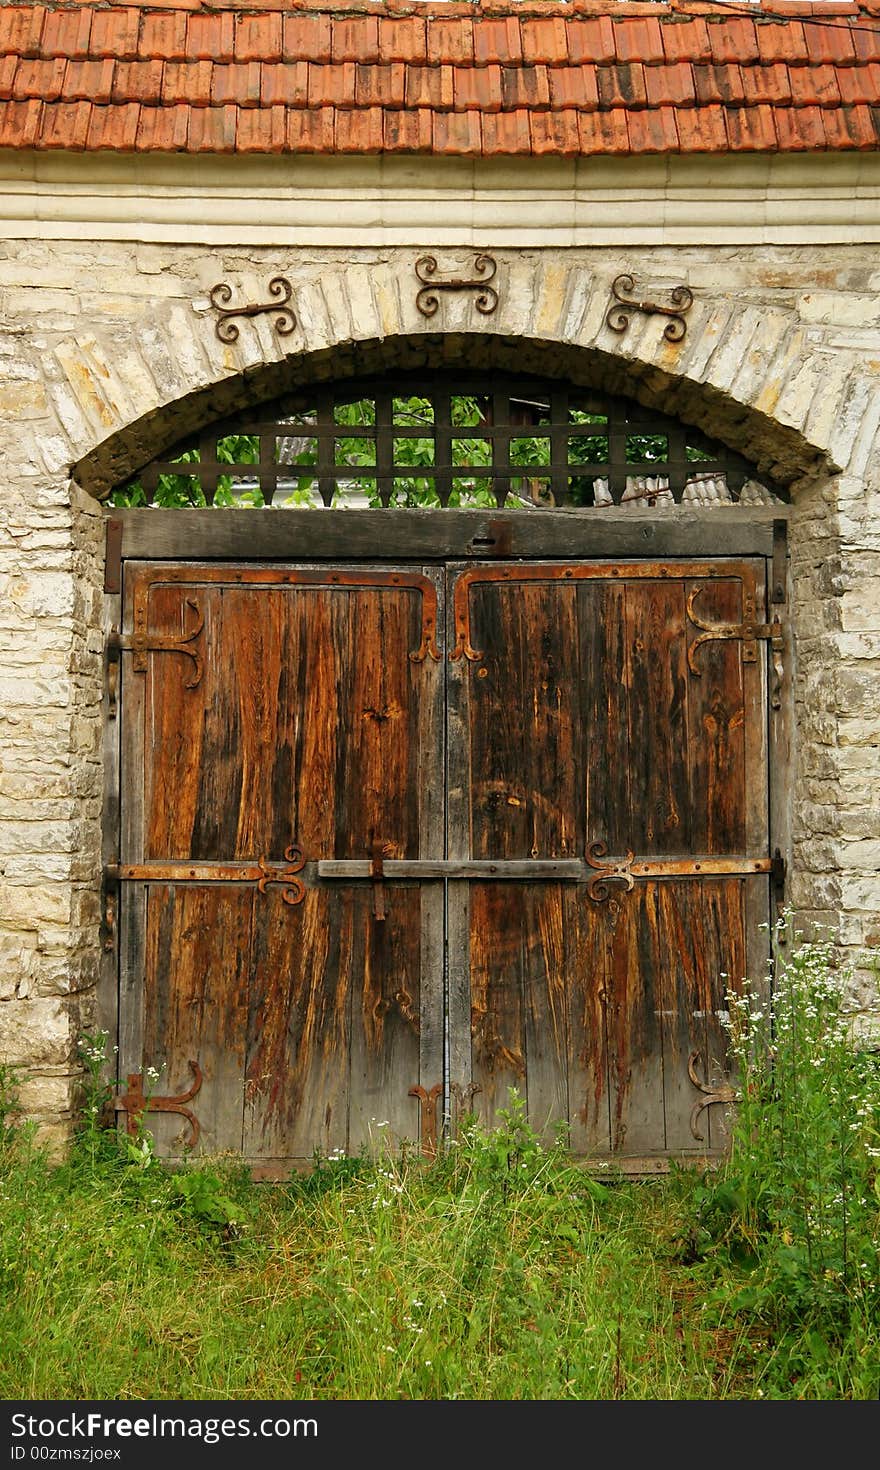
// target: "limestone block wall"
[[108, 351]]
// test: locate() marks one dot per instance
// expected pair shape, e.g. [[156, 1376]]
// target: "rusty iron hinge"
[[265, 873], [749, 632], [428, 1100], [136, 1101], [141, 642], [720, 1093]]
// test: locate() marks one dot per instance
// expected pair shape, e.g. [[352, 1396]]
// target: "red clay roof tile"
[[89, 81], [545, 39], [555, 132], [402, 40], [586, 76], [670, 84], [115, 33], [638, 40], [686, 40], [866, 41], [799, 128], [733, 40], [66, 33], [849, 127], [355, 38], [497, 40], [429, 86], [622, 86], [20, 29], [408, 131], [766, 83], [306, 38], [261, 130], [859, 83], [718, 83], [359, 132], [163, 129], [828, 43], [8, 67], [163, 35], [211, 129], [312, 130], [571, 86], [65, 124], [653, 130], [380, 86], [138, 81], [457, 133], [701, 129], [284, 83], [331, 85], [449, 40], [781, 41], [114, 127], [21, 123], [477, 86], [43, 79], [188, 81], [750, 129], [591, 40], [604, 132], [507, 132], [238, 84], [258, 37], [210, 37], [526, 86]]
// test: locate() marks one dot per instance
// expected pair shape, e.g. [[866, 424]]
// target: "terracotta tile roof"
[[502, 77]]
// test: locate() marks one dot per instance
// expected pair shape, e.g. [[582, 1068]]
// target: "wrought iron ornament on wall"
[[279, 288], [620, 316], [485, 268]]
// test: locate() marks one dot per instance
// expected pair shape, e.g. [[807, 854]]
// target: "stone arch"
[[739, 376]]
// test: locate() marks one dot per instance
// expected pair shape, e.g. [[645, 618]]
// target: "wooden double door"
[[396, 840]]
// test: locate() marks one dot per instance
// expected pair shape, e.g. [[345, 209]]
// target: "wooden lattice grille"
[[443, 440]]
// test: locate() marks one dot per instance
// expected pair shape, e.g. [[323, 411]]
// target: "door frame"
[[417, 537]]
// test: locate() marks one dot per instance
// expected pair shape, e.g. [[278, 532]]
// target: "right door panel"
[[616, 713]]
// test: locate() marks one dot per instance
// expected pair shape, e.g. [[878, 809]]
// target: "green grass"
[[502, 1270]]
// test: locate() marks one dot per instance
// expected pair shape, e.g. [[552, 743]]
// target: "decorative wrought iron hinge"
[[428, 1100], [619, 317], [279, 288], [748, 632], [141, 642], [135, 1102], [427, 300], [721, 1093]]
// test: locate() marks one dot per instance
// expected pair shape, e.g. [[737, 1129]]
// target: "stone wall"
[[109, 351]]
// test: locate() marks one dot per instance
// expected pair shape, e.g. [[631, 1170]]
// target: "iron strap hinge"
[[749, 633]]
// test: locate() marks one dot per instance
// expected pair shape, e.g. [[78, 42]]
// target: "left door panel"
[[272, 717]]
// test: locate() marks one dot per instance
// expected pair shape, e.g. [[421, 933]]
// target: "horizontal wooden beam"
[[275, 534]]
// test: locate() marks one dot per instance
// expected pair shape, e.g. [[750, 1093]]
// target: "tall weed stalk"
[[800, 1186]]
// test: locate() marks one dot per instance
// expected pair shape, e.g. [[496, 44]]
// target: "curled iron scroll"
[[619, 317], [279, 288], [427, 299]]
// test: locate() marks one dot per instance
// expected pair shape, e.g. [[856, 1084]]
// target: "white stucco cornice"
[[289, 200]]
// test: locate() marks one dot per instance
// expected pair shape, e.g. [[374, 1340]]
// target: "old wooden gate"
[[397, 838]]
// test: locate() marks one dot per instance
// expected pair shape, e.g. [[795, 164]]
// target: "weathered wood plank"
[[285, 535]]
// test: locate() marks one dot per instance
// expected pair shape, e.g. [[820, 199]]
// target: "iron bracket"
[[135, 1102], [485, 268], [749, 632], [618, 317]]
